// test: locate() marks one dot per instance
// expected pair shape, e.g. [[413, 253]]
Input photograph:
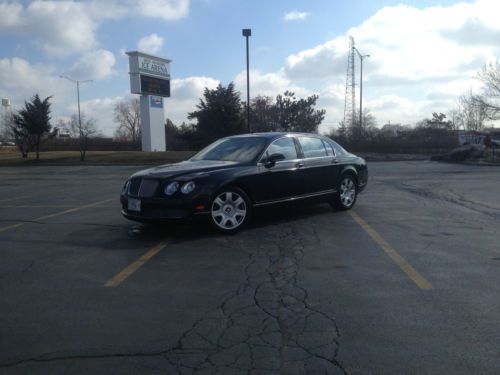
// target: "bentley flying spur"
[[231, 177]]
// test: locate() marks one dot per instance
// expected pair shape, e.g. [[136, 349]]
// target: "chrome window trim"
[[325, 142]]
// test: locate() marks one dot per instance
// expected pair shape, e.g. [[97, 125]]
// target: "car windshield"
[[233, 149]]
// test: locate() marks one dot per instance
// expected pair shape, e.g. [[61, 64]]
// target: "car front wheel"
[[347, 193], [230, 210]]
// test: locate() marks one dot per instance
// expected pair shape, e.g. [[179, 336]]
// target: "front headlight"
[[188, 187], [171, 188], [125, 187]]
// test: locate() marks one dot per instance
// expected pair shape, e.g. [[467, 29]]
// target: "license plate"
[[134, 204]]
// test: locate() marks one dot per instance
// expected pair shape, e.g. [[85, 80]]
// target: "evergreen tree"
[[286, 113], [218, 114], [30, 124]]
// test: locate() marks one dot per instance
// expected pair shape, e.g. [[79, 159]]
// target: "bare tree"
[[82, 131], [455, 117], [490, 99], [127, 116], [471, 112]]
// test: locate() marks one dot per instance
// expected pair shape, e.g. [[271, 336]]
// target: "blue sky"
[[424, 53]]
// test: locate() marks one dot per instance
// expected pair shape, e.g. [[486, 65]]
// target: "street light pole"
[[79, 116], [361, 58], [246, 33], [77, 82]]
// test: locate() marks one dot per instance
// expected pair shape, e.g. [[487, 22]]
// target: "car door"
[[320, 166], [281, 181]]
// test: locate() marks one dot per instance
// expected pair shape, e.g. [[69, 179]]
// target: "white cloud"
[[20, 80], [150, 44], [421, 60], [102, 110], [94, 65], [266, 84], [61, 28], [326, 60], [168, 10], [186, 93], [10, 15], [411, 43], [295, 15]]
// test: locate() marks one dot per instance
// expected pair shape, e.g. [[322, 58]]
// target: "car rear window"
[[312, 147]]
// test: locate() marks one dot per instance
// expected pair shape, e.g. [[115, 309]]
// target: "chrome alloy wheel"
[[347, 192], [229, 210]]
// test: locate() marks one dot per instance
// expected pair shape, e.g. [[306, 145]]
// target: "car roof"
[[273, 135]]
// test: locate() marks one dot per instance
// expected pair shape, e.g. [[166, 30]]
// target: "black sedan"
[[232, 176]]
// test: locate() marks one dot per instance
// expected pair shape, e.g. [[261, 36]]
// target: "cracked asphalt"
[[303, 290]]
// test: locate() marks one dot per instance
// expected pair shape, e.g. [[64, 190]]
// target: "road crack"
[[266, 325]]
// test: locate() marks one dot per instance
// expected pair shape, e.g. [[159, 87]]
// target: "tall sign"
[[150, 77]]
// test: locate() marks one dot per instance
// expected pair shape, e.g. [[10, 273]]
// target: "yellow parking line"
[[73, 210], [36, 206], [17, 198], [132, 267], [3, 229], [413, 274], [49, 206]]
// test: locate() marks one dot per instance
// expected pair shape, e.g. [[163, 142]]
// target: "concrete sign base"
[[152, 123]]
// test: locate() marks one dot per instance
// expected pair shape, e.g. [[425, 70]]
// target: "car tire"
[[230, 210], [345, 198]]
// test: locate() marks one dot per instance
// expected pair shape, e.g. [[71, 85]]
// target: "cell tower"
[[350, 89]]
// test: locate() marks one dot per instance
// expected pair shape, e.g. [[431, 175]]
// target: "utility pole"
[[350, 90], [361, 58], [246, 33]]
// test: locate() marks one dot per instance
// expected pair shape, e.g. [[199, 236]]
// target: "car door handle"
[[335, 161], [299, 165]]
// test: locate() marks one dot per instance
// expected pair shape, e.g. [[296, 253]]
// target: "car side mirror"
[[271, 160]]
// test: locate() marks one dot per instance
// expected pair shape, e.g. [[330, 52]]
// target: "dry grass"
[[10, 156]]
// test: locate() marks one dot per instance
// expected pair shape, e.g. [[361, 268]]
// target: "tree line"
[[221, 112], [433, 134]]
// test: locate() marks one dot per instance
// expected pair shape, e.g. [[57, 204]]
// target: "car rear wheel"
[[230, 210], [347, 193]]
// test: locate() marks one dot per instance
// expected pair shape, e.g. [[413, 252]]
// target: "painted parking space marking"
[[18, 198], [74, 209], [3, 229], [134, 266], [49, 206], [37, 206], [411, 272]]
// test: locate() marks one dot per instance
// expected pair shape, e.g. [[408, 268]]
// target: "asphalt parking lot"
[[406, 283]]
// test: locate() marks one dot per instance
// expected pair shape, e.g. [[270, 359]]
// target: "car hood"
[[188, 167]]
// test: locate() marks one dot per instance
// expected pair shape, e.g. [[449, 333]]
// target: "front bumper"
[[163, 209]]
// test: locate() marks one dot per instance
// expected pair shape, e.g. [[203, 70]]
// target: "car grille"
[[143, 188]]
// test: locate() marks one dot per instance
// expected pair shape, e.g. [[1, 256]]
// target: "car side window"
[[329, 148], [312, 147], [285, 146], [339, 150]]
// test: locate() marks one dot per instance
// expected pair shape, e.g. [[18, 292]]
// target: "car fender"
[[350, 169]]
